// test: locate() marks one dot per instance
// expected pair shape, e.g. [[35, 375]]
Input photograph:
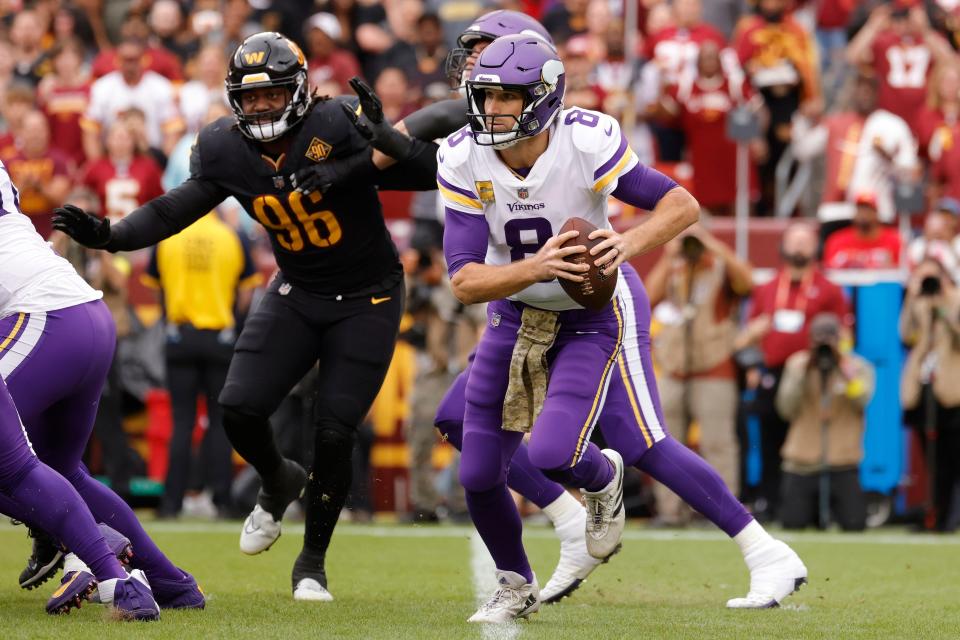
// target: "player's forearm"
[[437, 120], [676, 211], [479, 282], [165, 216]]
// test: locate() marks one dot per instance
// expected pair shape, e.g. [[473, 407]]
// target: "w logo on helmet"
[[254, 57]]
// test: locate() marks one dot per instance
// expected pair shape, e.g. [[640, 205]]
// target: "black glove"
[[373, 126], [85, 228], [327, 173]]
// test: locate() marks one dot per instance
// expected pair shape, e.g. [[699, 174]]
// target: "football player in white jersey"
[[57, 339], [509, 180]]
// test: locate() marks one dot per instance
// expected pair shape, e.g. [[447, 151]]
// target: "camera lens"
[[930, 286]]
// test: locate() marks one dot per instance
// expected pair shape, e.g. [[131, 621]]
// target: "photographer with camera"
[[929, 393], [824, 393], [695, 289]]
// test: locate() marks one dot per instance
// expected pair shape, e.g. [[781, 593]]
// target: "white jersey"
[[583, 162], [32, 277], [153, 95]]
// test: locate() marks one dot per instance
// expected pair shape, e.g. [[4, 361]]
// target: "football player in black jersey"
[[337, 298]]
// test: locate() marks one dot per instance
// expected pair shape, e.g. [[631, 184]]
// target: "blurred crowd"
[[843, 112]]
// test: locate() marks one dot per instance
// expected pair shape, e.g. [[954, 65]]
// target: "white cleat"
[[309, 590], [605, 515], [575, 565], [259, 532], [514, 598], [776, 572]]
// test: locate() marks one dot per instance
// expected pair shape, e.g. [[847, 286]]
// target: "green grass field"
[[419, 582]]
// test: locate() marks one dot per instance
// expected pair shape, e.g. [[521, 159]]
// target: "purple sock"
[[498, 522], [690, 477], [529, 481], [593, 472], [48, 501], [110, 509]]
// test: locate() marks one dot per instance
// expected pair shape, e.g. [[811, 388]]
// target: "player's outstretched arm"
[[145, 226]]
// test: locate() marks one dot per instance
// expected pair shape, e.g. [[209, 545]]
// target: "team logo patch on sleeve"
[[318, 150], [485, 191]]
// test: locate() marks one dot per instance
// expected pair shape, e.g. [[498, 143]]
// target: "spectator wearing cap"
[[866, 149], [901, 48], [582, 91], [329, 65], [939, 239], [824, 394], [866, 244]]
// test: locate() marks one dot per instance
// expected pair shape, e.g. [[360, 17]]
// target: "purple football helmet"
[[523, 64], [488, 28]]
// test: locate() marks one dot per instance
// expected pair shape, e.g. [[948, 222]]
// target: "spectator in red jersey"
[[581, 89], [29, 58], [155, 57], [124, 179], [206, 88], [17, 102], [866, 244], [779, 322], [133, 85], [780, 60], [566, 18], [701, 103], [63, 96], [328, 62], [673, 51], [942, 108], [866, 150], [898, 43], [40, 173]]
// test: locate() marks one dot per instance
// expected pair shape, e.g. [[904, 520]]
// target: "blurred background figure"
[[205, 276], [328, 63], [695, 290], [939, 238], [63, 96], [780, 315], [866, 244], [205, 89], [823, 394], [930, 326]]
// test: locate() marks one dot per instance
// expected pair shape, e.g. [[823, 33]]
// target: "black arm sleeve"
[[166, 215], [437, 120], [417, 173]]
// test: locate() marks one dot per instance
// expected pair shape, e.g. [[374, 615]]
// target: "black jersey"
[[334, 243]]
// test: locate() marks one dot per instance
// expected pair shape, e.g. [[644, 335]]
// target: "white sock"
[[72, 563], [752, 536], [565, 513], [106, 589]]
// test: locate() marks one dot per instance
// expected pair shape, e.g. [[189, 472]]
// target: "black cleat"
[[44, 562]]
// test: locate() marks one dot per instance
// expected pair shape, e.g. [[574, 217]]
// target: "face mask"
[[772, 16], [797, 260]]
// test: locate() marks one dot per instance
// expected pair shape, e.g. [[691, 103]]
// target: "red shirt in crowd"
[[64, 106], [903, 65], [845, 249], [945, 158], [704, 105], [8, 145], [675, 48], [25, 172], [791, 306], [844, 130], [154, 59], [123, 189], [338, 67]]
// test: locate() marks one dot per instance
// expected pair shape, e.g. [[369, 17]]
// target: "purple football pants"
[[631, 421], [55, 364]]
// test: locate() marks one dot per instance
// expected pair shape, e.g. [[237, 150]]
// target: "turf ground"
[[422, 582]]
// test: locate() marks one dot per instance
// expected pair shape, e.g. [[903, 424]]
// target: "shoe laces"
[[597, 508], [503, 595]]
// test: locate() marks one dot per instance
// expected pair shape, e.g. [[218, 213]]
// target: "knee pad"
[[235, 418], [334, 434], [549, 455], [481, 466]]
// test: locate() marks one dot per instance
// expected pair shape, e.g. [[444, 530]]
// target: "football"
[[598, 286]]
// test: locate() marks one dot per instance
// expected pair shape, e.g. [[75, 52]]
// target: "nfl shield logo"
[[522, 193]]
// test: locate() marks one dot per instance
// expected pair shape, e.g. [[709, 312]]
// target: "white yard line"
[[484, 584], [641, 535]]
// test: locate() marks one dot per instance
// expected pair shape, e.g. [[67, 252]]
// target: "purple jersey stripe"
[[464, 192], [612, 162]]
